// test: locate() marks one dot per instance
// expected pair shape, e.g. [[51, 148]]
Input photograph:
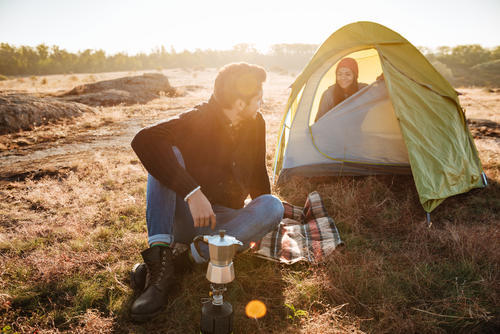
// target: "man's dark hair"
[[239, 80]]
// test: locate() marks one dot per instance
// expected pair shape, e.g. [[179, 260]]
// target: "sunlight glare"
[[255, 309]]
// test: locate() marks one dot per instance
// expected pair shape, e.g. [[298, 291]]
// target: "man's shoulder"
[[191, 114], [195, 111], [173, 122]]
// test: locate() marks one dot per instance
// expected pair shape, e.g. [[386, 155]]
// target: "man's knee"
[[273, 207]]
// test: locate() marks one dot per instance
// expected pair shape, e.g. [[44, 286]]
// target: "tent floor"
[[343, 169]]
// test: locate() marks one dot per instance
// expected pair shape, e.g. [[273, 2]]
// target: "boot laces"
[[159, 271]]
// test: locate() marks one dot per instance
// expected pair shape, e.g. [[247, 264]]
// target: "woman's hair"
[[349, 63], [239, 80], [340, 94]]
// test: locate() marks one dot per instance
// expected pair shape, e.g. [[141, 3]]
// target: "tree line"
[[43, 59], [464, 65], [467, 65]]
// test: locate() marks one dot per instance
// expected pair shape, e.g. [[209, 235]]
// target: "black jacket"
[[228, 164]]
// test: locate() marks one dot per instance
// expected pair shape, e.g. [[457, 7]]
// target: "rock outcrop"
[[126, 90], [23, 112], [483, 128]]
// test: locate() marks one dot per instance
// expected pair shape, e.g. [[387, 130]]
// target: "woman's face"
[[345, 77]]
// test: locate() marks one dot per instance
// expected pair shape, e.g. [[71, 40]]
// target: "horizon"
[[125, 26], [259, 51]]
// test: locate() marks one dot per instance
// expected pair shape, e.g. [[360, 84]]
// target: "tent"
[[408, 122]]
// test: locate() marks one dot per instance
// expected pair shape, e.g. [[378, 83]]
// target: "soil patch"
[[24, 112], [126, 90]]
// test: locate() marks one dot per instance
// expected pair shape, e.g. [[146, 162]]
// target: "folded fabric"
[[304, 234]]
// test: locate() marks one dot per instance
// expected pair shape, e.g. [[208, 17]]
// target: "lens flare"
[[255, 309]]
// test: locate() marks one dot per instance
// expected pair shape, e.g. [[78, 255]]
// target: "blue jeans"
[[169, 219]]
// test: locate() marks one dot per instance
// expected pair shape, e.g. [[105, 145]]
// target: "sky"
[[141, 26]]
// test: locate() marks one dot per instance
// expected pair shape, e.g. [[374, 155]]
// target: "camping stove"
[[217, 314]]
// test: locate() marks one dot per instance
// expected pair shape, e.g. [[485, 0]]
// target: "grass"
[[69, 236], [395, 274], [403, 275]]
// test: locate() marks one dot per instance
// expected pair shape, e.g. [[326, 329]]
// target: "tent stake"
[[485, 180], [428, 218]]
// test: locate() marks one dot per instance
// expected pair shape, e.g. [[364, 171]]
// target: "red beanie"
[[350, 64]]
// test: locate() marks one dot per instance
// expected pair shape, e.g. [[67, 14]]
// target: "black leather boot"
[[138, 274], [160, 268]]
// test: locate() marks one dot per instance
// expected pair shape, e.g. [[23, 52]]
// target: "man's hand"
[[201, 210]]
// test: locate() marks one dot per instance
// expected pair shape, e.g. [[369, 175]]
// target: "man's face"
[[252, 106]]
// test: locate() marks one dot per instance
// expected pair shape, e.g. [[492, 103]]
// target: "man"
[[202, 166]]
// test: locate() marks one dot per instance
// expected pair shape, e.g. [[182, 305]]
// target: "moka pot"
[[222, 249]]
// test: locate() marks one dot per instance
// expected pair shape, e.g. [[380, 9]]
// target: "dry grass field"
[[72, 224]]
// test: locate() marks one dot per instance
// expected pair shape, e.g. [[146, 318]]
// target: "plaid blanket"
[[304, 234]]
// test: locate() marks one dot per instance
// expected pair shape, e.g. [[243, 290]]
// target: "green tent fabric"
[[432, 127]]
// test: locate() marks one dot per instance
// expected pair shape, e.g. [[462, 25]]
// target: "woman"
[[345, 86]]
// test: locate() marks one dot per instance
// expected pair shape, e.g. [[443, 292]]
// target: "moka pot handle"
[[196, 242]]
